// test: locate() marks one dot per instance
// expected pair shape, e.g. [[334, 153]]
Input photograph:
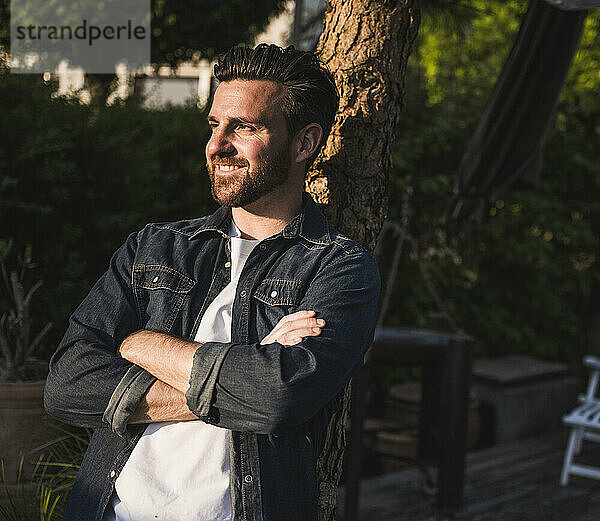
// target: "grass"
[[43, 495]]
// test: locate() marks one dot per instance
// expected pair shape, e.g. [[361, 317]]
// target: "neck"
[[270, 214]]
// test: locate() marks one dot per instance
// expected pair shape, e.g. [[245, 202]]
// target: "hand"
[[291, 329]]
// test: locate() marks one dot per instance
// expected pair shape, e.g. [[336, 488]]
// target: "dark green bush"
[[74, 182]]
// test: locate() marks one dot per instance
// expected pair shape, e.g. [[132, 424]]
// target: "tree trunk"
[[366, 44]]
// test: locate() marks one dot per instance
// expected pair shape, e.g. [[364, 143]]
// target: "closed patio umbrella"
[[507, 144]]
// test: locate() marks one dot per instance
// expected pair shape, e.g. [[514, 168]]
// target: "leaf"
[[17, 291], [38, 339], [33, 289], [4, 345]]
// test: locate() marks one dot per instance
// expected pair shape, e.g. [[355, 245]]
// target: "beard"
[[238, 190]]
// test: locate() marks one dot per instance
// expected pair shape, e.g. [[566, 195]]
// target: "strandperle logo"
[[85, 31], [97, 36]]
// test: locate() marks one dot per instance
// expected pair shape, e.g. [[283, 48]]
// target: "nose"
[[219, 143]]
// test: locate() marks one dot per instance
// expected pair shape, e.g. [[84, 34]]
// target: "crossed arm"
[[170, 360], [259, 386]]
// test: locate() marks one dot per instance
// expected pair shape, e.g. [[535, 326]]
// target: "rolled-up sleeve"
[[89, 384], [126, 397], [261, 388], [205, 370]]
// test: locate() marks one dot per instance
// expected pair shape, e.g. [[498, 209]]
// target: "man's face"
[[247, 155]]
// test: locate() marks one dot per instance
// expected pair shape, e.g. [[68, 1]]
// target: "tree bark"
[[365, 44]]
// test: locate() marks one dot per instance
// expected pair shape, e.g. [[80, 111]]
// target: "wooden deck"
[[516, 482]]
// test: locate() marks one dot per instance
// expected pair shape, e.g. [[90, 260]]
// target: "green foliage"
[[182, 29], [55, 474], [28, 499], [43, 494], [4, 23], [18, 342], [74, 183], [525, 283]]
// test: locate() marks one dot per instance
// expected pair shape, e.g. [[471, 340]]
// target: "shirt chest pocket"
[[160, 292], [273, 299]]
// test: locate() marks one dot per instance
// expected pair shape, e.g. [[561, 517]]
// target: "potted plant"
[[24, 425]]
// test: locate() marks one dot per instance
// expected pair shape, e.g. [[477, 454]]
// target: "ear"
[[306, 142]]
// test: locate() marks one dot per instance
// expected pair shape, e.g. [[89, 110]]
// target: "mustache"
[[228, 162]]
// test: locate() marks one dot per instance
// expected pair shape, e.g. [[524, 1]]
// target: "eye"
[[244, 127]]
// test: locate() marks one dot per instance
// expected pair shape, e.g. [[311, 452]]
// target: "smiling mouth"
[[229, 168]]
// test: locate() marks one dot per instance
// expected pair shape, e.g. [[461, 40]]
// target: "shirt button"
[[243, 293], [112, 473], [273, 294], [248, 478], [155, 279], [228, 264], [263, 247]]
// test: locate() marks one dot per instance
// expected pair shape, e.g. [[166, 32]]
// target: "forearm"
[[170, 359], [162, 403], [167, 358]]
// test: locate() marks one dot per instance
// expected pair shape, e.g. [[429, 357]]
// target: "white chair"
[[584, 422]]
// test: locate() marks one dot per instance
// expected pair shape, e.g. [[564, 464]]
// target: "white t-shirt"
[[180, 470]]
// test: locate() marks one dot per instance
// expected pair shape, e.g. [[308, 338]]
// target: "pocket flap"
[[278, 292], [155, 276]]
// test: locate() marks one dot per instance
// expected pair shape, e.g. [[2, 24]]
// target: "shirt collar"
[[234, 231], [310, 223]]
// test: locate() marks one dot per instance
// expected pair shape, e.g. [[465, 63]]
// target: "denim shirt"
[[275, 400]]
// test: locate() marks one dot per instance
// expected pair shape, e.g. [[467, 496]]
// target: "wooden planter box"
[[24, 426]]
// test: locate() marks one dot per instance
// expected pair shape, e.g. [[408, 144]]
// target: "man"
[[211, 355]]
